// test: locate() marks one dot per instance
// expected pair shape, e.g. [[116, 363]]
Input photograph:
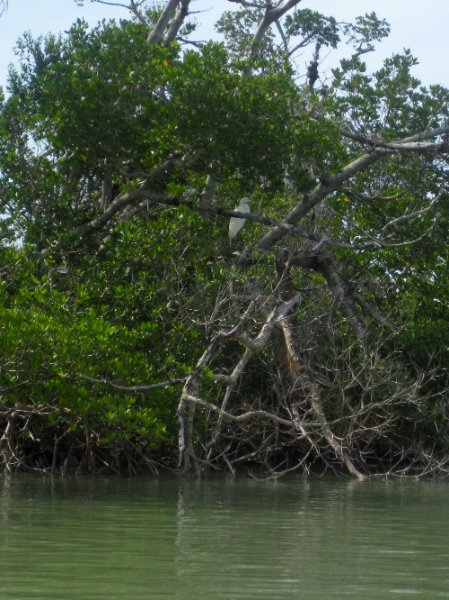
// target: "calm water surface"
[[119, 538]]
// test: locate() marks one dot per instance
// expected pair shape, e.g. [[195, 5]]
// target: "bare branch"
[[192, 383], [283, 36], [247, 4], [312, 199], [134, 388], [180, 16], [272, 14], [333, 182], [122, 201], [207, 197], [334, 442], [337, 284], [156, 35], [418, 142], [133, 7], [413, 215], [106, 3], [372, 310], [238, 418]]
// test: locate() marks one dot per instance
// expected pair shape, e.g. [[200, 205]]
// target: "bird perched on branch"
[[236, 223]]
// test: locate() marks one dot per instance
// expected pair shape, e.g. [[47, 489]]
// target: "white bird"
[[236, 223]]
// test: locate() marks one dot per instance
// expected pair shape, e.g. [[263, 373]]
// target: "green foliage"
[[366, 30], [238, 28], [52, 340], [92, 94], [311, 26], [224, 120], [104, 101]]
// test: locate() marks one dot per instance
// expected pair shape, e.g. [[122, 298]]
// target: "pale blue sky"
[[421, 26]]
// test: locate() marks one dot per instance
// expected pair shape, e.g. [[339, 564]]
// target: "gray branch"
[[156, 35], [180, 16], [272, 14]]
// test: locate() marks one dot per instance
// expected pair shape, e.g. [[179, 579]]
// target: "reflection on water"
[[119, 538]]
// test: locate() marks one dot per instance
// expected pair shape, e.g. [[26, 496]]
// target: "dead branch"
[[176, 24], [418, 143], [335, 281], [156, 35], [317, 195], [192, 384], [271, 15], [246, 416], [134, 388], [414, 214], [334, 442]]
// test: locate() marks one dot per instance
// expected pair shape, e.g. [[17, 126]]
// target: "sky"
[[420, 26]]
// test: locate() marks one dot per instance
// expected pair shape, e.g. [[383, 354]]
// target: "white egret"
[[236, 223]]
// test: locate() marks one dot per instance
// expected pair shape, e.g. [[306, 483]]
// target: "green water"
[[119, 538]]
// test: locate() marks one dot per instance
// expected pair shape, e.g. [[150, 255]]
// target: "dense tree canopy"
[[133, 333]]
